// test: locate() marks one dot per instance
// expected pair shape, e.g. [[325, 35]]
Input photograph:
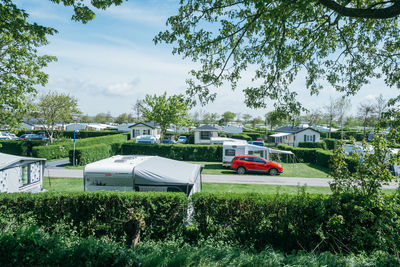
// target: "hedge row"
[[100, 213], [321, 145], [61, 150], [359, 136], [177, 152], [344, 223], [86, 155], [331, 144], [317, 156], [19, 147], [80, 134]]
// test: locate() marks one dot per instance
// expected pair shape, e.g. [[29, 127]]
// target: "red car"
[[242, 164]]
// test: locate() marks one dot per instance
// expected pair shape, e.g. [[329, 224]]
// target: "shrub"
[[85, 155], [321, 145], [80, 134], [241, 136], [331, 143], [20, 147], [307, 155], [177, 152], [253, 135], [61, 150], [100, 213], [324, 158]]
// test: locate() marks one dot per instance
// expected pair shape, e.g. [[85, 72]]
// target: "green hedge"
[[321, 145], [61, 150], [306, 155], [20, 147], [177, 152], [344, 223], [100, 213], [34, 247], [331, 143], [253, 135], [241, 136], [85, 155]]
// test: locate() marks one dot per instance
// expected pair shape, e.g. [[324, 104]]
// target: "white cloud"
[[370, 97], [123, 89], [138, 14]]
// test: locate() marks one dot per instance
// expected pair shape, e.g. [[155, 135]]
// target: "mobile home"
[[231, 149], [142, 173]]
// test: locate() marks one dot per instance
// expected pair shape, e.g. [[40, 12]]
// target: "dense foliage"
[[321, 145], [178, 152], [20, 147]]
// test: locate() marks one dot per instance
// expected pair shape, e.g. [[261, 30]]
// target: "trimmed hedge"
[[298, 222], [61, 150], [253, 135], [19, 147], [100, 213], [177, 152], [321, 145], [80, 134], [331, 143], [241, 136], [85, 155]]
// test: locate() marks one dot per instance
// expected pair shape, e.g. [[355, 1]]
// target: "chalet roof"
[[293, 130], [151, 124], [206, 127]]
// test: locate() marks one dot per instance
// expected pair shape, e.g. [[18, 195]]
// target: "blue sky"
[[111, 62]]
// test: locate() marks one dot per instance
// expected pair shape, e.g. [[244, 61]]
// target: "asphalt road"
[[230, 179]]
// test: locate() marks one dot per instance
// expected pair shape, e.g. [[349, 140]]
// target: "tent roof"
[[7, 160], [163, 171]]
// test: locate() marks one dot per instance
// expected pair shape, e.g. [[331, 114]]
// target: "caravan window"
[[25, 175], [205, 135], [229, 152]]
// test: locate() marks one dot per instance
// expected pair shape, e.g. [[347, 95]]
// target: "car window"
[[249, 159], [258, 160]]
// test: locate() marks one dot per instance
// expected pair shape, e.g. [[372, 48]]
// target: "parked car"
[[182, 139], [256, 143], [4, 136], [12, 136], [260, 139], [33, 137], [146, 139], [168, 141], [246, 163]]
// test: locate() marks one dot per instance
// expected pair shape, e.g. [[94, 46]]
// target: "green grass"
[[289, 169], [63, 184]]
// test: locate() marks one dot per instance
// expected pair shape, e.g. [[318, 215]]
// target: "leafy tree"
[[313, 117], [137, 109], [342, 106], [124, 118], [246, 118], [345, 42], [381, 106], [166, 111], [228, 116], [55, 107], [255, 121], [20, 65], [330, 113], [209, 118], [275, 118], [366, 112]]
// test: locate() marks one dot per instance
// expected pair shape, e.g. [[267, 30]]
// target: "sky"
[[111, 62]]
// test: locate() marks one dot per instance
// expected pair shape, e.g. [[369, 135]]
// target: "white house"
[[76, 126], [146, 128], [21, 174], [293, 135], [203, 134]]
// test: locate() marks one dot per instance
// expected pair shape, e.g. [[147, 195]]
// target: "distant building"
[[232, 129], [146, 128], [203, 134], [293, 135]]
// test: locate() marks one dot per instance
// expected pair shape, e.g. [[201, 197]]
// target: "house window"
[[146, 132], [309, 138], [205, 135], [229, 152], [136, 133]]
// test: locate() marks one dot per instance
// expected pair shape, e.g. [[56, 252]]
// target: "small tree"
[[365, 112], [55, 107], [228, 116], [342, 106], [166, 110], [275, 118]]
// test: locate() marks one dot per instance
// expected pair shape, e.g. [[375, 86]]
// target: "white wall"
[[197, 139], [300, 136], [153, 132]]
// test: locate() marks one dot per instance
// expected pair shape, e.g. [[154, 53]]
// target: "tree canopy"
[[343, 42]]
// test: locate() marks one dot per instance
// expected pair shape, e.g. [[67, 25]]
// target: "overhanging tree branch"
[[379, 13]]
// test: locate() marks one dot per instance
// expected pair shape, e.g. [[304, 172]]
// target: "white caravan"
[[232, 149], [142, 173], [221, 140]]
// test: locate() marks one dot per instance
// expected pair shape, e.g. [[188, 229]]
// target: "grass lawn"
[[76, 184], [289, 169]]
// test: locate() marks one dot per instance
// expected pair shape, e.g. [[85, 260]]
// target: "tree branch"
[[382, 13]]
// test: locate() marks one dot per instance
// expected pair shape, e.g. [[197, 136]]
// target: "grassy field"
[[289, 169], [76, 184]]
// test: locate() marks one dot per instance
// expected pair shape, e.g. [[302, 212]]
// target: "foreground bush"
[[100, 213], [34, 247]]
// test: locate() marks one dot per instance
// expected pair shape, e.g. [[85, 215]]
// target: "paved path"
[[230, 179]]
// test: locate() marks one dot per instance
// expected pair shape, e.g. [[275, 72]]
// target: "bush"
[[324, 158], [33, 247], [331, 143], [321, 145], [80, 134], [20, 147], [241, 136], [61, 150], [85, 155], [306, 155], [177, 152], [100, 213], [253, 135]]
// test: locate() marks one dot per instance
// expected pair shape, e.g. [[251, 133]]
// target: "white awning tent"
[[142, 173]]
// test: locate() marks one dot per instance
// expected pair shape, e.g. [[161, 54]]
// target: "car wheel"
[[241, 170], [273, 171]]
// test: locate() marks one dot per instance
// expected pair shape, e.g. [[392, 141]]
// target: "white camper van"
[[221, 140], [142, 173], [231, 149]]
